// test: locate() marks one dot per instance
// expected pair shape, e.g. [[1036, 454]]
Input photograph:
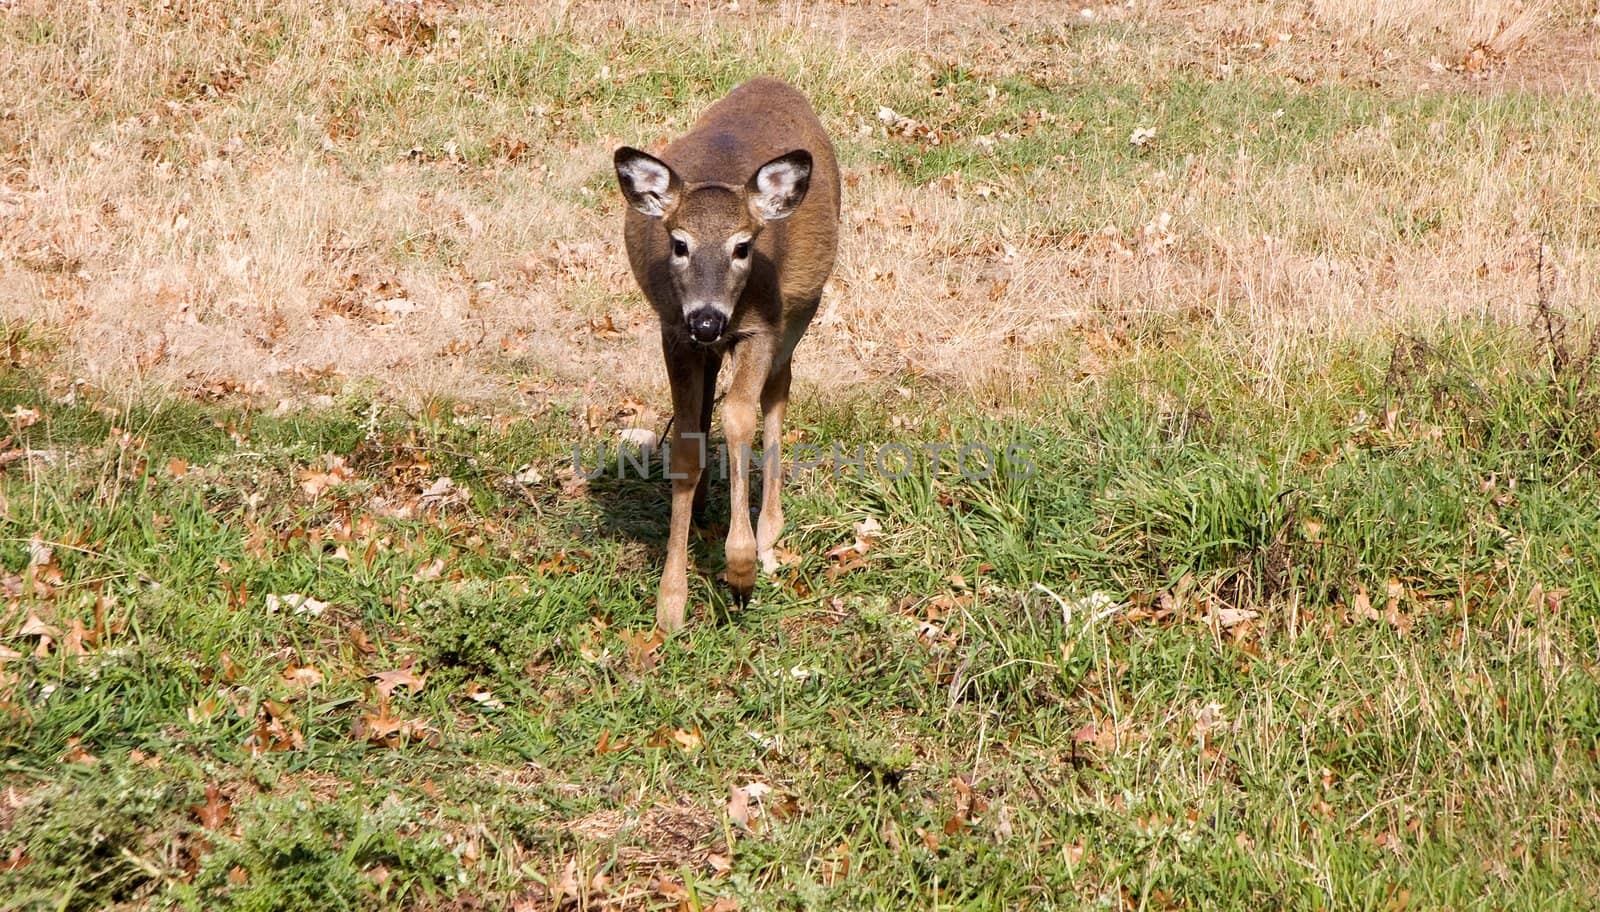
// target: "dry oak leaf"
[[296, 603], [380, 729], [76, 754], [431, 570], [302, 675], [688, 741], [644, 651], [745, 803], [215, 811], [1227, 618], [313, 482], [482, 696], [24, 418], [389, 681], [846, 558], [275, 731], [606, 746]]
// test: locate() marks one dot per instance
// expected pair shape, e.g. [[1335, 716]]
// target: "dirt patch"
[[663, 836]]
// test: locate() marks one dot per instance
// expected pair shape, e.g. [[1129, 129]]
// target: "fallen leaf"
[[846, 558], [561, 562], [204, 710], [1227, 618], [302, 676], [867, 533], [442, 493], [1003, 829], [644, 650], [604, 328], [381, 729], [606, 746], [215, 811], [24, 418], [275, 731], [1395, 592], [77, 754], [641, 439], [739, 807], [1211, 717], [313, 482], [296, 603], [482, 696], [359, 639], [1102, 737], [1074, 852], [567, 887], [35, 626], [388, 681], [835, 865], [1362, 605], [16, 861], [671, 891], [78, 639]]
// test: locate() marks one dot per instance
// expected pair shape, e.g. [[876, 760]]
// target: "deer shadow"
[[633, 491]]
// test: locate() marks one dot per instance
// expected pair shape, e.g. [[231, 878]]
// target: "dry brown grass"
[[221, 198]]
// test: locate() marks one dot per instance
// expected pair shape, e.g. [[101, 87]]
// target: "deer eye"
[[741, 250], [679, 248]]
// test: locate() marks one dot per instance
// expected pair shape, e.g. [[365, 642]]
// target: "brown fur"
[[713, 199]]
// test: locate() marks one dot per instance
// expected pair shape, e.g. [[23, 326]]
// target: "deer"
[[731, 233]]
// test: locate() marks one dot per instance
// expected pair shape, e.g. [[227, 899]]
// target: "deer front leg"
[[708, 396], [687, 462], [739, 423], [740, 412], [774, 402]]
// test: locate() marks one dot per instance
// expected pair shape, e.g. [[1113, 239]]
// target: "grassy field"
[[315, 320]]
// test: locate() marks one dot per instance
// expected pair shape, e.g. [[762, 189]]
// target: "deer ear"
[[778, 187], [649, 185]]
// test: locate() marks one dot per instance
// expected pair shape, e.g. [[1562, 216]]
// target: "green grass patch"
[[1194, 645]]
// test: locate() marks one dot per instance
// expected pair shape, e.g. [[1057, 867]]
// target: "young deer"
[[731, 234]]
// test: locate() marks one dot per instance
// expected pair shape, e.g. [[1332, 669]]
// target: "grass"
[[1283, 595], [956, 720], [235, 196]]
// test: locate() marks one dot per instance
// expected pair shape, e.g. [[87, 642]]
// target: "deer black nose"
[[706, 324]]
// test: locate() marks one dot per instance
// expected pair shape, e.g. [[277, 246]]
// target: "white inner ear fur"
[[776, 184], [649, 181]]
